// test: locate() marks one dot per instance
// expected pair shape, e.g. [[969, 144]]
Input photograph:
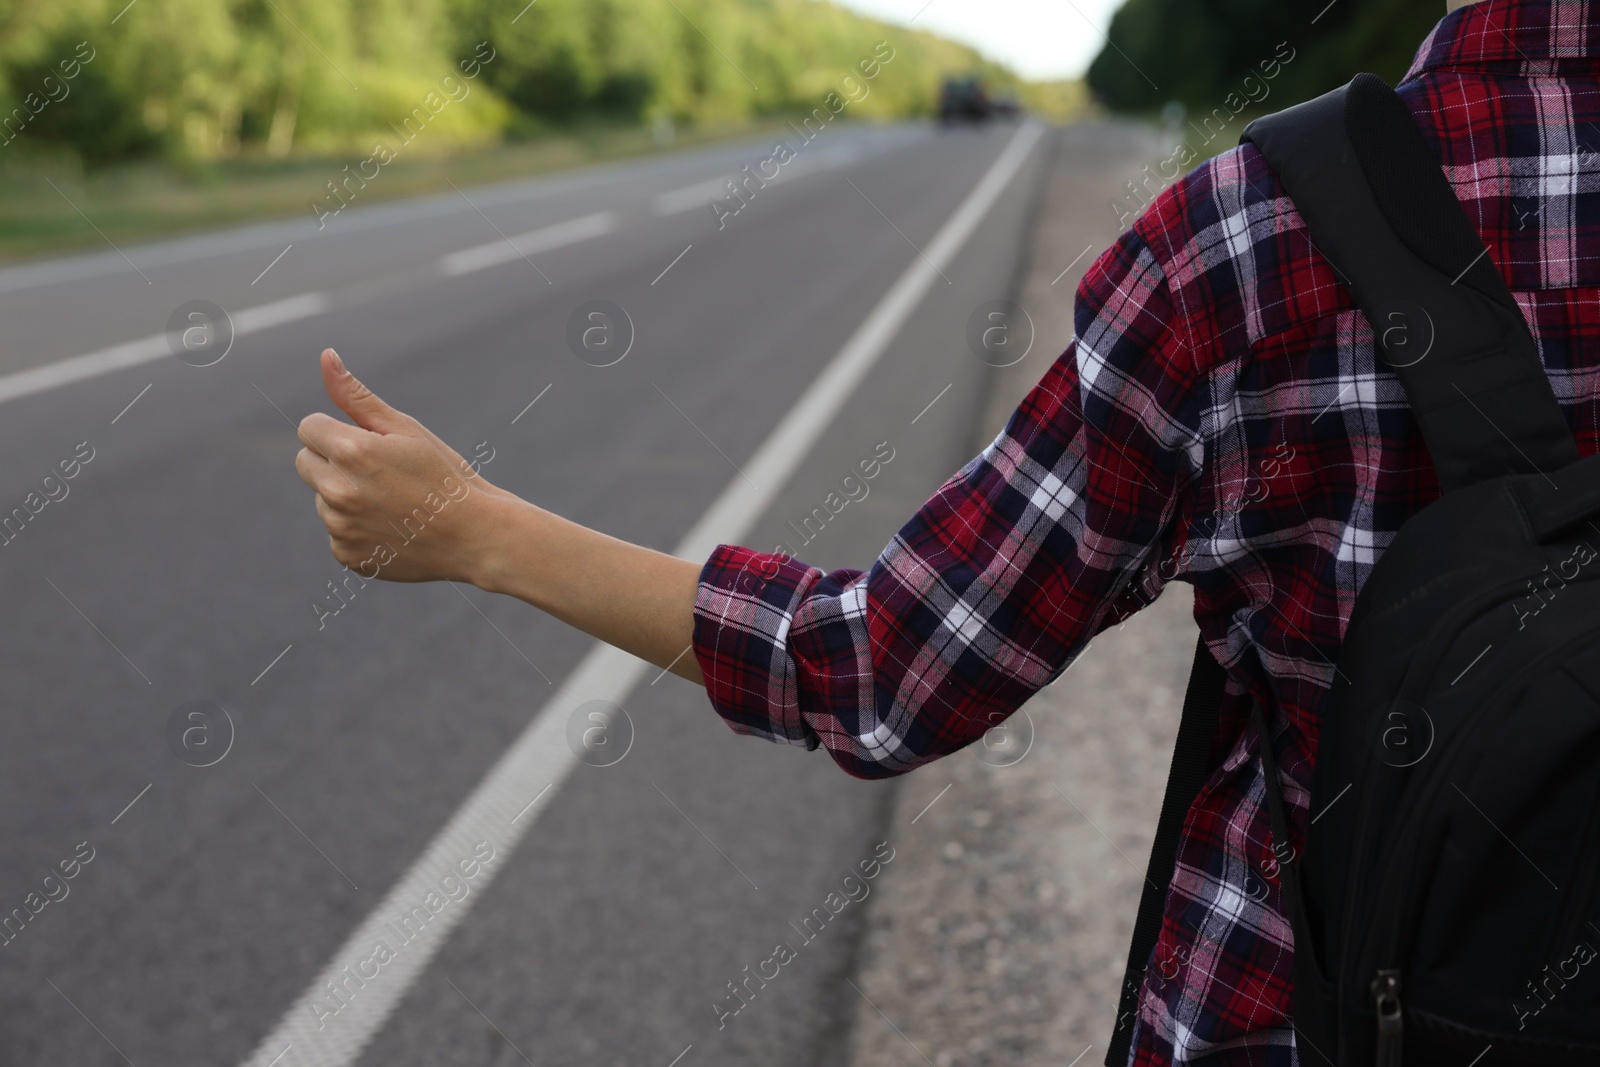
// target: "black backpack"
[[1445, 908]]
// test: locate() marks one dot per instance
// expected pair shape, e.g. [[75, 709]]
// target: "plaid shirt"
[[1220, 419]]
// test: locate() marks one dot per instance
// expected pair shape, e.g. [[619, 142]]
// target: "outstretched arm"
[[401, 504]]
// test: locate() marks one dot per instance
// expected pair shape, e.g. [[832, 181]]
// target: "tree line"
[[1198, 52], [110, 81]]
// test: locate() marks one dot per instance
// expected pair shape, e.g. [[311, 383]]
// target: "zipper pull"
[[1386, 997]]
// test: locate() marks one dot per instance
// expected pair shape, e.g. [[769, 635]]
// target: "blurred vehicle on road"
[[964, 99]]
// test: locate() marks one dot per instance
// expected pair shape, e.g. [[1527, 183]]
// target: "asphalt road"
[[184, 563]]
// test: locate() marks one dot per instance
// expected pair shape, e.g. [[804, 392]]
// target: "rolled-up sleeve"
[[1000, 579]]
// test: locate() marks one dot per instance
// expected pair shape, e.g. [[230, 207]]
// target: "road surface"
[[256, 762]]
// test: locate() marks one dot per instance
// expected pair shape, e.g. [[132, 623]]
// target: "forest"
[[109, 81], [1198, 52]]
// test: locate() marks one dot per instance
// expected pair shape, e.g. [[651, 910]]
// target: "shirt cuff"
[[742, 614]]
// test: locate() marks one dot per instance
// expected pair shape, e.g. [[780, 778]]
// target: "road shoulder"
[[1000, 934]]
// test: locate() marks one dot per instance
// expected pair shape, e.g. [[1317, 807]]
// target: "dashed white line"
[[507, 249], [690, 197], [291, 309], [149, 349]]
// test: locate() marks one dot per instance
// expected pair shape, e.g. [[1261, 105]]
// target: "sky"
[[1040, 39]]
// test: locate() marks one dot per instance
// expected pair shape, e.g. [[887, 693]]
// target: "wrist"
[[500, 536]]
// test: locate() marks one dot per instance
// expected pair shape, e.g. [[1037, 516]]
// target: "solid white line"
[[541, 754], [790, 442], [149, 349], [505, 250], [532, 802]]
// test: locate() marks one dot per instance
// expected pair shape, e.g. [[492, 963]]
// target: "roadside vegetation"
[[1198, 52], [172, 114]]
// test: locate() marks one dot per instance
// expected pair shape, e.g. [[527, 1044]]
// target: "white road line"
[[281, 312], [494, 253], [700, 194], [540, 755], [360, 219], [149, 349], [692, 196]]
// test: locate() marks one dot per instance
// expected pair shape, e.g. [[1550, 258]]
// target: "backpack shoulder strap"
[[1382, 213]]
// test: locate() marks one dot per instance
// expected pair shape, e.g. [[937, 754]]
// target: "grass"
[[53, 205]]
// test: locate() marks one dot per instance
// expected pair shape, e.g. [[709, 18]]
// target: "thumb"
[[356, 400]]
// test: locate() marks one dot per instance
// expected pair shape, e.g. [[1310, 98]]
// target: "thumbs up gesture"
[[398, 502]]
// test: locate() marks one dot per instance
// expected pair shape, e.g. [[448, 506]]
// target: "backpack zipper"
[[1395, 883], [1391, 1028], [1433, 651]]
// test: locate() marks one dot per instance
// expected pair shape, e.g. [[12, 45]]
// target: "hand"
[[401, 504], [398, 502]]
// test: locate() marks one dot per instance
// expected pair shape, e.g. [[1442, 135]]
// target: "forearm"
[[637, 599]]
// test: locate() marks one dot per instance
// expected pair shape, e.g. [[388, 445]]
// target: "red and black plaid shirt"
[[1220, 419]]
